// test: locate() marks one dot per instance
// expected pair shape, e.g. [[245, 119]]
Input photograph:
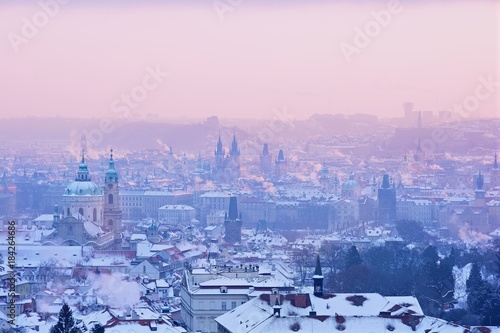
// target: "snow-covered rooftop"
[[351, 313]]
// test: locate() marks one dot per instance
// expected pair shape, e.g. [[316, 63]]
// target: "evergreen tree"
[[474, 280], [356, 276], [412, 231], [380, 262], [491, 308], [66, 322], [355, 279], [477, 290], [430, 255], [98, 328], [428, 282], [352, 258]]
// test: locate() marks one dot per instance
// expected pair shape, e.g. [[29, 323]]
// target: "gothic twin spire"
[[235, 151]]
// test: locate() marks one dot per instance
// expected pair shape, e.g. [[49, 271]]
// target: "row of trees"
[[483, 298], [66, 323], [393, 270], [422, 272]]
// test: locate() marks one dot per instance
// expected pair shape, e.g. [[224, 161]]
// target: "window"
[[233, 305], [224, 306], [81, 211], [110, 199], [94, 215]]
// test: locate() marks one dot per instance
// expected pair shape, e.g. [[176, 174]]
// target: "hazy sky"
[[245, 59]]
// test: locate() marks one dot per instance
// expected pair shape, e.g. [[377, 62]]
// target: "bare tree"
[[48, 270], [332, 257], [304, 261]]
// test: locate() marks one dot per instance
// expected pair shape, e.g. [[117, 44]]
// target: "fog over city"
[[249, 166]]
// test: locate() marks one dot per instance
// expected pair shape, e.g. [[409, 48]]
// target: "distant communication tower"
[[408, 109]]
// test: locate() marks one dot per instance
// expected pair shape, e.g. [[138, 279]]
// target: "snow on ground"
[[461, 275]]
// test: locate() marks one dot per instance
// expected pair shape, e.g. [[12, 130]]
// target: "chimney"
[[33, 304]]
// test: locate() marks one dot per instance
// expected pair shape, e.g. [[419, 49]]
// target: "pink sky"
[[257, 58]]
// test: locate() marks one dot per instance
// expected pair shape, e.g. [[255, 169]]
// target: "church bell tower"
[[112, 211]]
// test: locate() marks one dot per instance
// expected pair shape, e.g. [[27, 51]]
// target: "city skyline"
[[249, 166]]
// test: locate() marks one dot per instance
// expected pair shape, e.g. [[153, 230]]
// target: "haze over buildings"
[[249, 166]]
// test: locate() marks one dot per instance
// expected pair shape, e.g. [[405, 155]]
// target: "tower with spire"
[[184, 164], [374, 188], [318, 279], [83, 175], [281, 164], [112, 211], [170, 160], [336, 185], [153, 233], [495, 173], [386, 201], [419, 153], [235, 151], [232, 223], [265, 160], [234, 158], [83, 197], [199, 162], [219, 154], [479, 193], [56, 217], [324, 178], [227, 167]]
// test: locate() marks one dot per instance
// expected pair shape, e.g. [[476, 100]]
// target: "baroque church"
[[91, 215]]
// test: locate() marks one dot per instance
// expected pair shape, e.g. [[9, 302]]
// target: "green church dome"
[[83, 184], [83, 188], [351, 184]]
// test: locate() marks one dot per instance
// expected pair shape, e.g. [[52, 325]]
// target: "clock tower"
[[112, 211]]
